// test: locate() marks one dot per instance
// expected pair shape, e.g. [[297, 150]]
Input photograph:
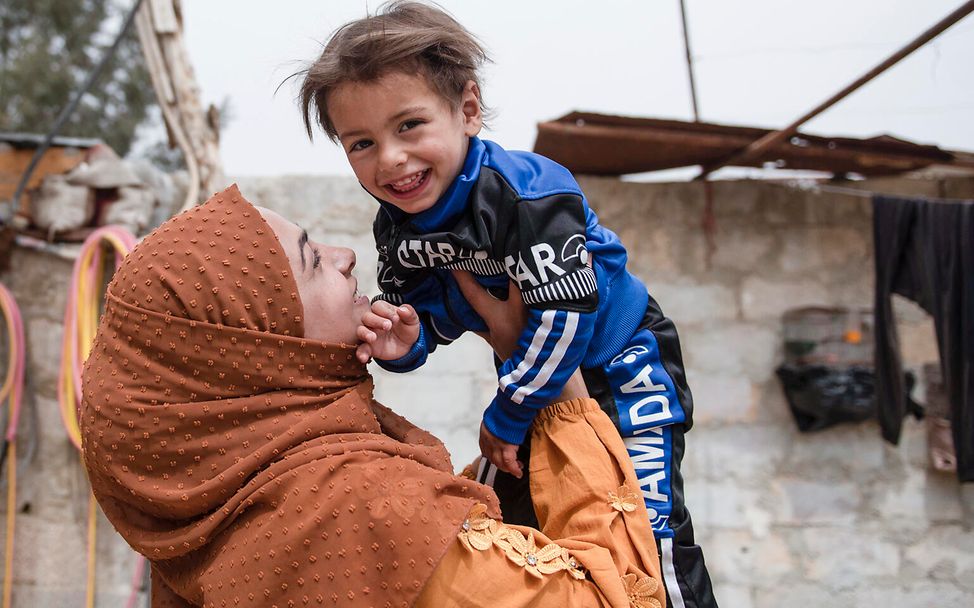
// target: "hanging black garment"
[[925, 252]]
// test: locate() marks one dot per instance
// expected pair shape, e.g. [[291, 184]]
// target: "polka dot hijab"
[[249, 464]]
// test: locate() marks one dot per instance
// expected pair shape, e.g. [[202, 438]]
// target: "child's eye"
[[410, 124], [360, 145], [316, 262]]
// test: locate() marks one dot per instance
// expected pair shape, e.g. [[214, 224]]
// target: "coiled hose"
[[80, 325], [11, 391]]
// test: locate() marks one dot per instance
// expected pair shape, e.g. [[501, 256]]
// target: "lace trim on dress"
[[623, 499], [479, 532], [641, 591]]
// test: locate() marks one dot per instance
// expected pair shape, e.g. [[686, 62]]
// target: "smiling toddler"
[[400, 92]]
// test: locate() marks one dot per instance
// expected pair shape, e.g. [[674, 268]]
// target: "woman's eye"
[[360, 145], [316, 262], [410, 124]]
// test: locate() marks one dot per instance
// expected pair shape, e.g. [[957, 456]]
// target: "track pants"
[[644, 391]]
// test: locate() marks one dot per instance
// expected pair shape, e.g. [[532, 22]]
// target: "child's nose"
[[392, 157]]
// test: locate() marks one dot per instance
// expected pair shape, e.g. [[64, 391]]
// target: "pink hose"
[[94, 240], [16, 390]]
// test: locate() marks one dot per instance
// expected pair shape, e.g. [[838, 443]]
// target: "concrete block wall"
[[789, 519], [785, 519]]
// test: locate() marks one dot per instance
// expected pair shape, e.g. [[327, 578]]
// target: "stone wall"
[[788, 519], [785, 519]]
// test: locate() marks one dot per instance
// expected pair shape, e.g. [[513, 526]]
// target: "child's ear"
[[473, 118]]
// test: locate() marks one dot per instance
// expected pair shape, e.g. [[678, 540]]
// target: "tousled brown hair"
[[403, 36]]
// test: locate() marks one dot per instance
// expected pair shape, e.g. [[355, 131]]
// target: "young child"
[[400, 92]]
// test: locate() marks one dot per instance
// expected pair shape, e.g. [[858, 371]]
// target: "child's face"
[[404, 141]]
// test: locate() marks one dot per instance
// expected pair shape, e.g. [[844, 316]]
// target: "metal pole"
[[708, 222], [774, 138], [686, 47], [69, 109]]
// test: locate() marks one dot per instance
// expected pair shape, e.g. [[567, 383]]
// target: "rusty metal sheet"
[[14, 161], [600, 144]]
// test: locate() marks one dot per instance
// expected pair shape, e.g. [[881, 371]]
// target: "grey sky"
[[759, 63]]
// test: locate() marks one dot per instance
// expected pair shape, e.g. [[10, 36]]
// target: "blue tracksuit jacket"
[[522, 217]]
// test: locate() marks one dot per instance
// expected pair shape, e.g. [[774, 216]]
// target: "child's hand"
[[503, 455], [387, 331]]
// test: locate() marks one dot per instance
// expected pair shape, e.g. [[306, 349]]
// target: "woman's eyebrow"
[[302, 241]]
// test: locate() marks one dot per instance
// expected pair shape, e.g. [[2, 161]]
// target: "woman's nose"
[[344, 259]]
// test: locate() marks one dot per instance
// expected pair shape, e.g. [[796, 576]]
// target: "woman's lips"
[[358, 298]]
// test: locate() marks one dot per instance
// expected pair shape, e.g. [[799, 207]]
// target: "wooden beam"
[[190, 127]]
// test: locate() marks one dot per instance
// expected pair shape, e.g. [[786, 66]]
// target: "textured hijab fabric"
[[251, 465]]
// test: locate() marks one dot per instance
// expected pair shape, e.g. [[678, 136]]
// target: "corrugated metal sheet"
[[34, 140], [601, 144]]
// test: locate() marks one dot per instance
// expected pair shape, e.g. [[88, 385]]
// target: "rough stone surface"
[[747, 350], [830, 556], [763, 298], [728, 396], [688, 302], [836, 518]]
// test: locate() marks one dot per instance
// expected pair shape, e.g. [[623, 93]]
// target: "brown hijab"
[[250, 465]]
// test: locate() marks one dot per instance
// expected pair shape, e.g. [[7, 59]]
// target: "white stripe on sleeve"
[[537, 343], [561, 347]]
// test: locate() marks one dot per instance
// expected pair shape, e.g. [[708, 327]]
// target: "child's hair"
[[402, 36]]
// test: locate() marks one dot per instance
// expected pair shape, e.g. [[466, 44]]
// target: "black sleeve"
[[547, 255]]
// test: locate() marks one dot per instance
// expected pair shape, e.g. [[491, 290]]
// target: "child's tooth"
[[408, 181]]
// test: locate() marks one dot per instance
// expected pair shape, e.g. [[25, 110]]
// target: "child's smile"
[[405, 142], [411, 185]]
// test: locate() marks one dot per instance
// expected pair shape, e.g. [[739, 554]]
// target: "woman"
[[231, 437]]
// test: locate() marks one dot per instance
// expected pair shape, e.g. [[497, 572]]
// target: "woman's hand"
[[505, 319], [387, 332]]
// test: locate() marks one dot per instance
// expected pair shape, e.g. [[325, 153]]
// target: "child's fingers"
[[385, 309], [505, 462], [509, 458], [376, 322], [363, 352], [364, 334], [496, 458], [502, 455], [407, 314]]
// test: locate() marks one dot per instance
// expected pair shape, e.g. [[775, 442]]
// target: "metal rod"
[[769, 141], [686, 47], [68, 110], [708, 221]]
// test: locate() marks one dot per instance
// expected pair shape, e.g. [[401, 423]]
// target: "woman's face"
[[333, 308]]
